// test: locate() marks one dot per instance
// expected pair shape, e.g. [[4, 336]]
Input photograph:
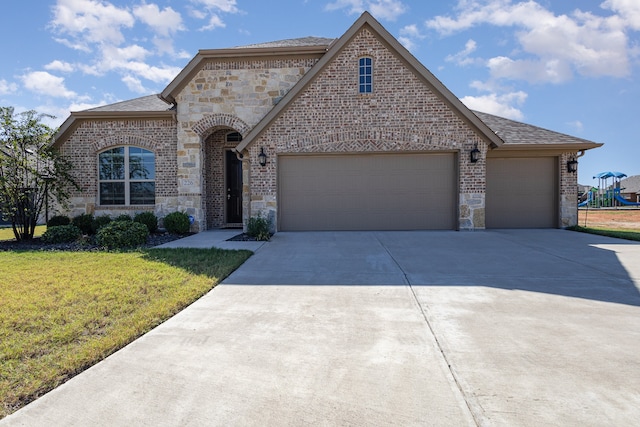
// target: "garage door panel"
[[522, 192], [367, 192]]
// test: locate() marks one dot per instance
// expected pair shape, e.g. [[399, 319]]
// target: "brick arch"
[[123, 139], [207, 125]]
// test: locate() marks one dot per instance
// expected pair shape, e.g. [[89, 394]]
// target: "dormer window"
[[366, 75]]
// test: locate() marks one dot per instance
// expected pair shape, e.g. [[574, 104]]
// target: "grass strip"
[[61, 312], [617, 233]]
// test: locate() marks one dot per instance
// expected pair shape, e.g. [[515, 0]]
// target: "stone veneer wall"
[[230, 95], [402, 114], [94, 136]]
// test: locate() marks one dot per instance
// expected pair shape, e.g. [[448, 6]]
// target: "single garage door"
[[522, 192], [367, 192]]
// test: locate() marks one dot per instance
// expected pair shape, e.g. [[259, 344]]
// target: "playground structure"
[[606, 195]]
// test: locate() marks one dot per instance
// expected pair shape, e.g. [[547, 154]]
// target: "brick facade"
[[94, 136], [404, 113]]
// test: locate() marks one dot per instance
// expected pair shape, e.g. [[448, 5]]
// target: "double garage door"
[[414, 191]]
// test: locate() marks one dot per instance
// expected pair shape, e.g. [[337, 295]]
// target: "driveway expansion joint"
[[474, 414]]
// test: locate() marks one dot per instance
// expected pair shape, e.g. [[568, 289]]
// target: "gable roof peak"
[[366, 19]]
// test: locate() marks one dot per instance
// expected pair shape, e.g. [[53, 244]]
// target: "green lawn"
[[6, 233], [61, 312], [620, 233]]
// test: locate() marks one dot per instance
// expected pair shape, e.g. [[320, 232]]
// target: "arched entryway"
[[223, 179]]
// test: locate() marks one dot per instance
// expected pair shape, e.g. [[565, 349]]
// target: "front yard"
[[61, 312]]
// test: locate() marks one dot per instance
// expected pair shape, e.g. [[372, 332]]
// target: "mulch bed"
[[242, 237]]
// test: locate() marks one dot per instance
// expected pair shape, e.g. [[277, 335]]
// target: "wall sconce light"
[[572, 166], [474, 155], [262, 157]]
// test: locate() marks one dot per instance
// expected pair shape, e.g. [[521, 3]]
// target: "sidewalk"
[[213, 239]]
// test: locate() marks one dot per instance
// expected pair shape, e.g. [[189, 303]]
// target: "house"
[[320, 134], [630, 188]]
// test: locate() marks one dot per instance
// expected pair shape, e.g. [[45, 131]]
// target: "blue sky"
[[543, 62]]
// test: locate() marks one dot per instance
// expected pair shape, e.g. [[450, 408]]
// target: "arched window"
[[127, 176], [365, 75]]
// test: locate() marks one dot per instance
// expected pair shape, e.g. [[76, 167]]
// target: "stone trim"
[[207, 125]]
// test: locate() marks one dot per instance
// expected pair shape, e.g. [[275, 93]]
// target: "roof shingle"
[[144, 103], [513, 132]]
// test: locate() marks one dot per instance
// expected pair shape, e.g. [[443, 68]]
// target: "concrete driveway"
[[505, 328]]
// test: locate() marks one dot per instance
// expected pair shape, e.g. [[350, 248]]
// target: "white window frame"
[[127, 180]]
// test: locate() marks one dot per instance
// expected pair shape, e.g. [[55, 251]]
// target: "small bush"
[[149, 219], [122, 234], [61, 234], [123, 217], [177, 223], [101, 221], [84, 222], [258, 228], [58, 220]]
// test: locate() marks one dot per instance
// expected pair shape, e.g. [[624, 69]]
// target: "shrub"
[[58, 220], [122, 234], [123, 217], [258, 228], [149, 219], [100, 221], [84, 222], [61, 234], [177, 222]]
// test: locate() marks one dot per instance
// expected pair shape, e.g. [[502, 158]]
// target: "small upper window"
[[366, 75], [127, 176]]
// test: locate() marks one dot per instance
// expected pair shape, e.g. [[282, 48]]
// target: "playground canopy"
[[606, 175]]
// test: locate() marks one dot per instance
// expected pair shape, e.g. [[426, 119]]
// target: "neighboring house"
[[356, 135], [630, 188]]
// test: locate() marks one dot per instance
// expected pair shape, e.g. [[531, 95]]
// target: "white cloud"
[[227, 6], [505, 105], [90, 21], [213, 9], [553, 47], [382, 9], [121, 54], [408, 43], [61, 66], [534, 71], [150, 72], [387, 9], [408, 36], [164, 22], [135, 85], [214, 22], [7, 88], [462, 57], [44, 83], [411, 31], [628, 10]]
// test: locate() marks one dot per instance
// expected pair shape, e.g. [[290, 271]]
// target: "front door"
[[234, 188]]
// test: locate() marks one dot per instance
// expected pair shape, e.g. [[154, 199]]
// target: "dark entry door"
[[234, 188]]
